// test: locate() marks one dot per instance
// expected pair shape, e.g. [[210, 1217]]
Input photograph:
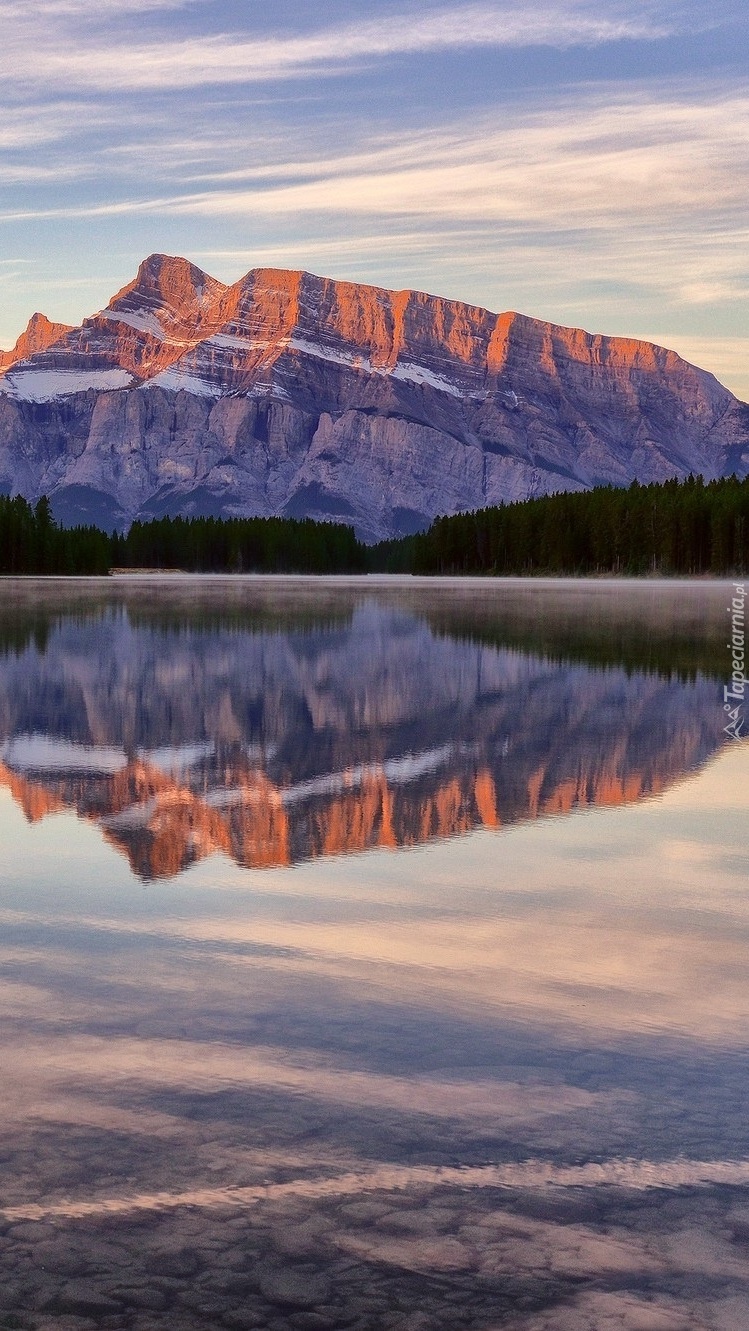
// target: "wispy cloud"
[[49, 10], [31, 174], [230, 58], [592, 161], [23, 128], [653, 188]]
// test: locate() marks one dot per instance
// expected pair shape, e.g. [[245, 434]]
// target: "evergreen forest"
[[676, 528], [32, 543]]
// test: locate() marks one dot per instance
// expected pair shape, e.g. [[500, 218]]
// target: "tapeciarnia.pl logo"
[[733, 693]]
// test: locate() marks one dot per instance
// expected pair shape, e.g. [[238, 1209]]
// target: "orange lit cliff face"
[[38, 334], [148, 325], [291, 393], [271, 748]]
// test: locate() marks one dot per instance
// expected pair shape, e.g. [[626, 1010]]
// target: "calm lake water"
[[373, 954]]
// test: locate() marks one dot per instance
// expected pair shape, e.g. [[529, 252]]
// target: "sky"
[[586, 163]]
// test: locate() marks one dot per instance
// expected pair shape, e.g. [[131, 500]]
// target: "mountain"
[[297, 395]]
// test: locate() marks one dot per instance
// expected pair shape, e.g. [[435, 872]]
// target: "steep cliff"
[[293, 394]]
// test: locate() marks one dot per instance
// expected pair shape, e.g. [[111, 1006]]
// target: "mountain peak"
[[39, 333], [157, 269], [171, 287]]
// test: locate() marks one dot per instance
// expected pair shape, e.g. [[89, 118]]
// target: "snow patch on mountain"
[[324, 352], [419, 374], [407, 371], [141, 320], [181, 381], [233, 343], [34, 385]]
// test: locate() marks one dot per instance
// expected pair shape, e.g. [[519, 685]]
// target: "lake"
[[374, 955]]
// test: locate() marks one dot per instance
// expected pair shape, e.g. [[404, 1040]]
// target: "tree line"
[[240, 545], [31, 542], [678, 527]]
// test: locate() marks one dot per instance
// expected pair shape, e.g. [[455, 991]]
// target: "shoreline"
[[121, 575]]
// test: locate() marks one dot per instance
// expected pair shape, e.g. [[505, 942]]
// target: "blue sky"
[[587, 163]]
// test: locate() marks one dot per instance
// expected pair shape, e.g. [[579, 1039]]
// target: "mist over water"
[[374, 953]]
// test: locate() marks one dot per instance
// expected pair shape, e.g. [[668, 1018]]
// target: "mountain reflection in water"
[[335, 728], [499, 1080]]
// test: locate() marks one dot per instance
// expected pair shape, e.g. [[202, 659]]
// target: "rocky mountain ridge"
[[291, 394]]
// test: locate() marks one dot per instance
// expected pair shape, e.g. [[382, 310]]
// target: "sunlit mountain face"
[[273, 728], [294, 395]]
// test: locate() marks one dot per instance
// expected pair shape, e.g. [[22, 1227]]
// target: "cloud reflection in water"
[[495, 1077]]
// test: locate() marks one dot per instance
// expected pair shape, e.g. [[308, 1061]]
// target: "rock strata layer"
[[291, 394]]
